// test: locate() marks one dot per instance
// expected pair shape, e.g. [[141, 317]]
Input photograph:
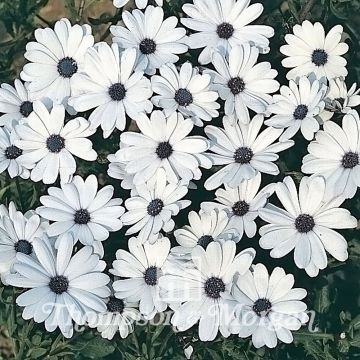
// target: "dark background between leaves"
[[334, 295]]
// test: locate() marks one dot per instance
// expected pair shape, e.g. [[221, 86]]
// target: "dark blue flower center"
[[151, 276], [300, 112], [24, 247], [183, 97], [213, 287], [225, 31], [117, 92], [67, 67], [155, 206], [26, 108], [12, 152], [319, 57], [350, 160], [59, 284], [304, 223], [147, 46]]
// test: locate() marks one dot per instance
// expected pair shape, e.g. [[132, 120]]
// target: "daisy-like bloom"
[[204, 289], [141, 4], [243, 151], [225, 24], [110, 85], [298, 107], [306, 224], [79, 208], [242, 83], [335, 155], [157, 41], [15, 103], [270, 307], [119, 316], [163, 143], [62, 287], [9, 154], [142, 267], [186, 91], [151, 209], [242, 204], [309, 50], [117, 170], [339, 99], [54, 58], [49, 144]]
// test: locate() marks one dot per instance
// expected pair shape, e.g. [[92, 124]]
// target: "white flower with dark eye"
[[119, 316], [63, 287], [242, 204], [310, 50], [142, 269], [225, 24], [186, 91], [15, 103], [83, 210], [49, 144], [305, 225], [141, 4], [298, 107], [335, 155], [157, 41], [203, 290], [339, 99], [151, 209], [163, 143], [110, 85], [243, 151], [9, 154], [242, 83], [270, 307], [54, 58]]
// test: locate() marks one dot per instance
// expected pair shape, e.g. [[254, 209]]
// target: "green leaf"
[[322, 301]]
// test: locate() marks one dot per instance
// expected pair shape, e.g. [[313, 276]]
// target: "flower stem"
[[305, 10]]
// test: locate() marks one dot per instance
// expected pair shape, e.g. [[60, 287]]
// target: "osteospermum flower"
[[270, 307], [339, 99], [110, 85], [186, 91], [298, 107], [9, 154], [63, 287], [243, 151], [141, 271], [163, 143], [242, 83], [83, 210], [335, 154], [204, 289], [54, 58], [310, 50], [15, 103], [306, 224], [49, 144], [242, 204], [151, 208], [117, 170], [157, 41], [141, 4], [225, 24]]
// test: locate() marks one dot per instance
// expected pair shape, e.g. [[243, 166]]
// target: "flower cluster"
[[56, 251]]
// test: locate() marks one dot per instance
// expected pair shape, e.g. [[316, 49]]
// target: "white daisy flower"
[[54, 58], [15, 103], [83, 210], [157, 41], [309, 50], [143, 268], [141, 4], [242, 204], [298, 107], [186, 91], [305, 225], [110, 85], [339, 99], [119, 316], [204, 289], [163, 144], [242, 83], [151, 209], [271, 307], [49, 144], [63, 287], [243, 151], [225, 24], [117, 170], [334, 154], [9, 153]]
